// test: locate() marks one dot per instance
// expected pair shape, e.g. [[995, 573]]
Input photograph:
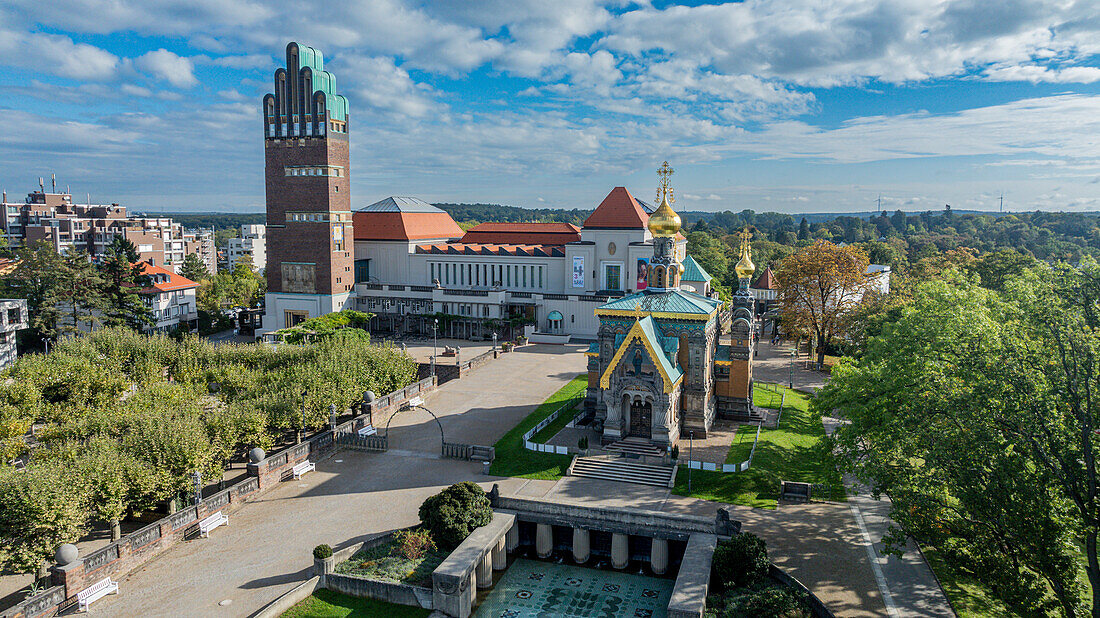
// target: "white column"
[[544, 540], [658, 556], [620, 551], [511, 538], [500, 557], [581, 550], [485, 571]]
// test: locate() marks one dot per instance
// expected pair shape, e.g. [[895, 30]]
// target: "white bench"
[[368, 431], [215, 520], [95, 592], [303, 467]]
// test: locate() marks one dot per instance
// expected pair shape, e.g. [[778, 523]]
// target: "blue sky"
[[792, 106]]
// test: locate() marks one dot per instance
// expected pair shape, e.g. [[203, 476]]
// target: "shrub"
[[322, 551], [675, 452], [413, 544], [742, 561], [454, 512], [769, 602]]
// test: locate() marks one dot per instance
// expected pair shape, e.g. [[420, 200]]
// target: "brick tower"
[[309, 224], [742, 336]]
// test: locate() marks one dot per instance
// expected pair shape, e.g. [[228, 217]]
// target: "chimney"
[[53, 181], [41, 185]]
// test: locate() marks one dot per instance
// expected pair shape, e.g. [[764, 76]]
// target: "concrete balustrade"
[[544, 540], [658, 556], [581, 546], [620, 550]]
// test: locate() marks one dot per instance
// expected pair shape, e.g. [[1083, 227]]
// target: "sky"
[[786, 105]]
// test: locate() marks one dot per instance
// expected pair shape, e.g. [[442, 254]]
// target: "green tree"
[[122, 273], [804, 230], [710, 252], [40, 508], [37, 277], [975, 412], [193, 268], [79, 292], [997, 267]]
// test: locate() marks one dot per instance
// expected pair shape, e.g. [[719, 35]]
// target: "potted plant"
[[521, 340], [323, 562], [507, 346]]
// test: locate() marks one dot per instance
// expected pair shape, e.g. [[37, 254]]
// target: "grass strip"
[[512, 459], [328, 604]]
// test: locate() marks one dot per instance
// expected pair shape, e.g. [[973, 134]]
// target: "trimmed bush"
[[322, 551], [452, 514], [742, 561]]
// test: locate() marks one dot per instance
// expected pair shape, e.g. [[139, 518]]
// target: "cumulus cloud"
[[168, 66], [56, 55]]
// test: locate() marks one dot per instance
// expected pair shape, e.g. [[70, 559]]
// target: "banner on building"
[[578, 271], [643, 274]]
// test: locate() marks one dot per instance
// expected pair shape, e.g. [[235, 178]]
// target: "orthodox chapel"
[[658, 371]]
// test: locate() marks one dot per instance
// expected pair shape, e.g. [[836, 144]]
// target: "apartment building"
[[253, 243], [172, 298], [54, 218], [13, 317]]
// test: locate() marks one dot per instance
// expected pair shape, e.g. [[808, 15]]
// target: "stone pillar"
[[511, 538], [581, 550], [620, 550], [658, 556], [544, 540], [471, 594], [500, 557], [485, 571]]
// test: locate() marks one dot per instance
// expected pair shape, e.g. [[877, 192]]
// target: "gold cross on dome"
[[664, 185], [638, 313]]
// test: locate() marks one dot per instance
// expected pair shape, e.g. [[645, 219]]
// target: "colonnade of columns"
[[582, 550]]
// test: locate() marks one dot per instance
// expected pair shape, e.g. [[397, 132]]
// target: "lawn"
[[512, 459], [382, 563], [791, 452], [329, 604], [969, 597]]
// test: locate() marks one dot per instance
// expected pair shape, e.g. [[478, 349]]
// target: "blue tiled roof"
[[662, 344], [675, 301], [722, 352], [693, 271]]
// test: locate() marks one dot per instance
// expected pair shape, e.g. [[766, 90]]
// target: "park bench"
[[303, 467], [96, 591], [215, 520], [369, 430], [795, 492]]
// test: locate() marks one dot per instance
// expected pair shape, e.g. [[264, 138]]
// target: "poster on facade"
[[643, 274], [578, 271]]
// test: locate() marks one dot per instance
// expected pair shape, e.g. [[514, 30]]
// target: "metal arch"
[[442, 438]]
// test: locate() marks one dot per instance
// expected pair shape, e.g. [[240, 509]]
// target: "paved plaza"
[[355, 495]]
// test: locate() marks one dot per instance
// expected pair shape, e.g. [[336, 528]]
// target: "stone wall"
[[44, 603], [132, 550], [470, 566], [402, 594]]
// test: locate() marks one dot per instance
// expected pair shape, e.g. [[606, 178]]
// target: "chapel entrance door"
[[641, 420]]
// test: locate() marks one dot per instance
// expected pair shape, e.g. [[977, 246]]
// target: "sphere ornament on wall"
[[256, 455]]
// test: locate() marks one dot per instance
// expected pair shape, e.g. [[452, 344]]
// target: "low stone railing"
[[134, 549]]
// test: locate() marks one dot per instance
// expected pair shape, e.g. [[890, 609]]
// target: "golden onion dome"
[[745, 268], [664, 221]]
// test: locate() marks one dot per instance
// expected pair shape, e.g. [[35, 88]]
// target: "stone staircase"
[[634, 446], [623, 470]]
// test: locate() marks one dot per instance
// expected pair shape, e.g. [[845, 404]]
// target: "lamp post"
[[494, 341], [301, 420], [435, 327], [691, 440], [791, 370], [196, 478]]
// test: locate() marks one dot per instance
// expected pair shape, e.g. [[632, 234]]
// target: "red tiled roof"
[[523, 233], [404, 226], [170, 281], [619, 210], [492, 249], [766, 280]]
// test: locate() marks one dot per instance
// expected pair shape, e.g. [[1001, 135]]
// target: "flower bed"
[[385, 562]]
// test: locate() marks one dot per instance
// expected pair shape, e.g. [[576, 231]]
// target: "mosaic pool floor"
[[529, 589]]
